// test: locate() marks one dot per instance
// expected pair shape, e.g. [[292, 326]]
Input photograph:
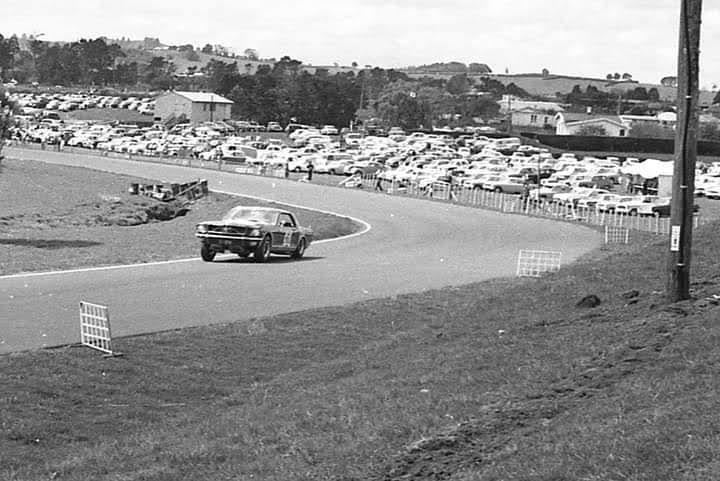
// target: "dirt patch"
[[107, 210]]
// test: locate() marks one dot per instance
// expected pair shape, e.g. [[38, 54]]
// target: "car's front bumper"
[[232, 243]]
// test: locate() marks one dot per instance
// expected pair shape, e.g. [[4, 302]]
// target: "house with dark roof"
[[569, 123], [195, 106]]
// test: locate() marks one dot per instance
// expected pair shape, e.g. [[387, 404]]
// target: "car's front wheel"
[[300, 250], [262, 252], [207, 253]]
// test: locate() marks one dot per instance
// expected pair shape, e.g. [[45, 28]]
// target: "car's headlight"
[[255, 233], [202, 228]]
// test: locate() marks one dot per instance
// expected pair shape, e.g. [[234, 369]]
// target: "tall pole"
[[683, 182]]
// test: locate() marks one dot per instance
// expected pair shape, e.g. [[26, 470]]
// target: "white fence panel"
[[616, 235], [95, 327], [534, 263]]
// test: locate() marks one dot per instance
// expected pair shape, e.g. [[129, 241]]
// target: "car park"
[[256, 231]]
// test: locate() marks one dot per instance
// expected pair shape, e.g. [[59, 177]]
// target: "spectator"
[[378, 184], [310, 168], [287, 168]]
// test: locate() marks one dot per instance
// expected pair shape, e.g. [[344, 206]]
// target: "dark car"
[[259, 231], [663, 210]]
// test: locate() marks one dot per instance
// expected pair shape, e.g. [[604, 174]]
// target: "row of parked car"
[[46, 103], [501, 165]]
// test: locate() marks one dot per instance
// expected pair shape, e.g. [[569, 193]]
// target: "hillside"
[[549, 85]]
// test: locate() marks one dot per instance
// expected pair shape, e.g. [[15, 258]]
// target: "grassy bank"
[[506, 379], [56, 217]]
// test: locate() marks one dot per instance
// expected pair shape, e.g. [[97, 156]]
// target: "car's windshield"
[[251, 214]]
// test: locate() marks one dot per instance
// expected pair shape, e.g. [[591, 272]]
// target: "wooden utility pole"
[[683, 182]]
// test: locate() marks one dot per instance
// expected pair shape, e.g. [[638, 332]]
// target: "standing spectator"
[[287, 168], [378, 183], [451, 187], [310, 168]]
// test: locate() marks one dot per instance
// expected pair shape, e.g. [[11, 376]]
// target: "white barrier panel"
[[95, 327], [535, 263], [616, 235]]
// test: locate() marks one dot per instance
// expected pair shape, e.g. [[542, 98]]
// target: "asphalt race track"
[[413, 245]]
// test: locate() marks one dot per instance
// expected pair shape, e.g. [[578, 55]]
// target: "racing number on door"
[[287, 239]]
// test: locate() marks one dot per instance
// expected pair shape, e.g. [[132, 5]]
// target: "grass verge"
[[506, 379], [57, 217]]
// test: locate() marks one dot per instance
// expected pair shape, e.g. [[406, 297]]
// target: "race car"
[[256, 231]]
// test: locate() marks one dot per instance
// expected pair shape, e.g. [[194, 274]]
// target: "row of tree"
[[287, 91]]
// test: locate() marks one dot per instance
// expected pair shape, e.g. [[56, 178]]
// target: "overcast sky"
[[579, 37]]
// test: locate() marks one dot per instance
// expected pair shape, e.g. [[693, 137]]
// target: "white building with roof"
[[195, 106], [567, 123]]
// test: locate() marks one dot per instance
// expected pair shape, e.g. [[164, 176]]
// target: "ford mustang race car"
[[259, 231]]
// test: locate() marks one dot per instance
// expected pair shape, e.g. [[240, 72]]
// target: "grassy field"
[[506, 379], [56, 217]]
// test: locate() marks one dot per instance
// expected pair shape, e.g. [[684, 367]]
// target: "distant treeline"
[[283, 92]]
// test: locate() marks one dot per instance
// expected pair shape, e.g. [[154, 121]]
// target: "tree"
[[208, 49], [609, 76], [592, 130], [7, 111], [638, 93], [716, 99], [9, 49], [251, 54], [710, 131], [354, 65], [616, 76], [670, 81], [626, 76], [653, 95], [458, 84], [192, 56]]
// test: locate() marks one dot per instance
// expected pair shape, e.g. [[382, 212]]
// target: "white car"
[[608, 202], [638, 205], [329, 130], [712, 191]]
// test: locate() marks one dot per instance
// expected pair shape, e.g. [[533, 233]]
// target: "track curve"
[[414, 245]]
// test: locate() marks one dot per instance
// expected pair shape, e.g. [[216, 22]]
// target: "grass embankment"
[[506, 379], [57, 217]]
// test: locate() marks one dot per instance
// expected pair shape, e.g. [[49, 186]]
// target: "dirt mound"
[[121, 211]]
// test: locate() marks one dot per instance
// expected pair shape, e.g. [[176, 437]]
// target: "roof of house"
[[596, 120], [574, 117], [204, 97]]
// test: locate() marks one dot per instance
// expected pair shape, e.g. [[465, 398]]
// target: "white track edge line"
[[366, 227]]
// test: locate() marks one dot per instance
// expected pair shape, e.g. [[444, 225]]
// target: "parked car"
[[638, 205], [499, 183], [598, 181], [548, 191], [712, 191], [365, 167], [256, 231], [661, 207], [274, 127], [335, 163], [329, 130], [589, 200], [608, 202]]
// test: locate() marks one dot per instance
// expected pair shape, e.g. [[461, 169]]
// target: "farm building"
[[533, 118], [195, 106], [574, 124]]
